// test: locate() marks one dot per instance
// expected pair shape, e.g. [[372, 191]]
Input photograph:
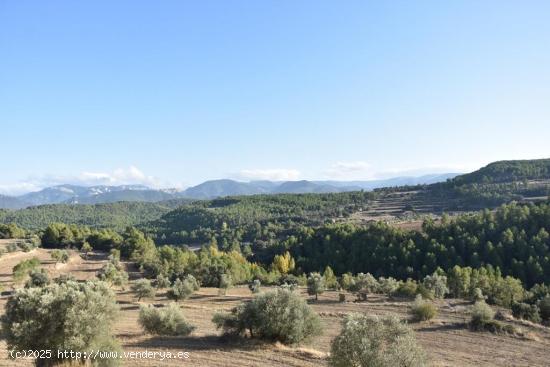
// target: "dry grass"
[[447, 341]]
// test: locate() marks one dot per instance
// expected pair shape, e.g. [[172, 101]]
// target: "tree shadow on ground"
[[198, 343]]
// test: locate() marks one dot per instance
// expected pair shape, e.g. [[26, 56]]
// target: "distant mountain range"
[[73, 194]]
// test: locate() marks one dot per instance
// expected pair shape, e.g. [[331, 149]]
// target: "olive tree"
[[183, 289], [165, 321], [315, 284], [279, 315], [143, 288], [436, 284], [375, 342], [67, 316]]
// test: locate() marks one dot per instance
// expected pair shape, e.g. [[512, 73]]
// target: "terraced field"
[[446, 339]]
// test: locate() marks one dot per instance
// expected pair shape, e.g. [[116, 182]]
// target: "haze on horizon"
[[175, 93]]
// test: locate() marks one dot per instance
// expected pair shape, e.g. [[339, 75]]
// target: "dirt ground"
[[445, 339]]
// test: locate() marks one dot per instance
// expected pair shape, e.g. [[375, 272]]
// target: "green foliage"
[[24, 268], [165, 321], [183, 289], [143, 289], [409, 288], [113, 273], [11, 230], [331, 282], [113, 215], [225, 283], [375, 342], [387, 286], [515, 238], [68, 316], [422, 310], [61, 256], [162, 281], [279, 315], [37, 278], [481, 314], [254, 286], [526, 312], [544, 306], [315, 285], [86, 249], [437, 284]]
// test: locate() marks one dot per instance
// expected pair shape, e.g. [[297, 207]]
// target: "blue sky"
[[172, 93]]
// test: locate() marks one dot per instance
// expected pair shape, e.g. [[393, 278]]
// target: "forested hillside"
[[514, 238], [114, 215]]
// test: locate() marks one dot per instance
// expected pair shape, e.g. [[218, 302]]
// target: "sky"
[[172, 93]]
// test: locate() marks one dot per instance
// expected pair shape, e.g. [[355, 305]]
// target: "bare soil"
[[446, 339]]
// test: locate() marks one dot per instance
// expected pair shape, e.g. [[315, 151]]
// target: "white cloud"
[[352, 170], [119, 176], [276, 174]]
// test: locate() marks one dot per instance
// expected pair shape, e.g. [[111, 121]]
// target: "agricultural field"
[[446, 339]]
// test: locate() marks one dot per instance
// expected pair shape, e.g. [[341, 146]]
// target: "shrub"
[[165, 321], [347, 282], [113, 273], [86, 249], [254, 286], [422, 310], [278, 315], [315, 285], [372, 341], [544, 307], [12, 247], [61, 256], [387, 286], [225, 283], [481, 314], [408, 288], [331, 282], [526, 312], [183, 289], [162, 282], [69, 316], [37, 278], [24, 268], [437, 284], [143, 288], [477, 295]]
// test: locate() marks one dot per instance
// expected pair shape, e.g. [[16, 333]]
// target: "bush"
[[477, 295], [143, 288], [162, 282], [278, 315], [113, 273], [387, 286], [183, 289], [481, 314], [24, 268], [60, 255], [544, 307], [225, 283], [437, 284], [254, 286], [422, 310], [315, 285], [408, 288], [69, 316], [38, 278], [372, 341], [165, 321], [526, 312]]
